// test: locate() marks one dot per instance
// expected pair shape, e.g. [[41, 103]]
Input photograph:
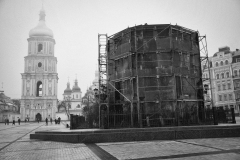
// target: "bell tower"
[[40, 77]]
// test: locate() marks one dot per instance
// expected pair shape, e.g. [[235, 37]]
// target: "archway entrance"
[[38, 117]]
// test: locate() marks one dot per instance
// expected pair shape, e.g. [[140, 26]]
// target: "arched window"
[[206, 75], [40, 47], [216, 64], [39, 89], [222, 75], [217, 77], [203, 75], [221, 63], [226, 62], [227, 74], [76, 96]]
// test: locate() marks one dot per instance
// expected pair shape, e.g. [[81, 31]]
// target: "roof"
[[41, 29]]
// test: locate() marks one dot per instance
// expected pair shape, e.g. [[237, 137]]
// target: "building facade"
[[224, 72], [8, 108], [40, 77]]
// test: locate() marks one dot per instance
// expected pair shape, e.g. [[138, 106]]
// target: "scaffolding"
[[153, 72], [102, 69]]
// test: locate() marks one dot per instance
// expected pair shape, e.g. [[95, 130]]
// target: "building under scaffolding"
[[150, 75]]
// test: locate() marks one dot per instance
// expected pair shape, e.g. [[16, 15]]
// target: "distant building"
[[8, 109], [225, 79], [72, 99]]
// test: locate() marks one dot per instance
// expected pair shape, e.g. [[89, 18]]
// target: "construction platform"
[[138, 134]]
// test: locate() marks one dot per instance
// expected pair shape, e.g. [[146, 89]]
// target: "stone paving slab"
[[221, 143], [58, 154], [151, 149]]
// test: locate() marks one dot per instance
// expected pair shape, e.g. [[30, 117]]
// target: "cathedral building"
[[72, 102], [73, 95], [40, 77]]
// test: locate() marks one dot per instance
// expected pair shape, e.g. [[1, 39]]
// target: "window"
[[40, 47], [220, 97], [235, 73], [230, 96], [221, 63], [229, 85], [39, 64], [237, 59], [236, 84], [219, 88], [216, 64], [224, 87], [226, 62], [217, 76], [203, 75], [227, 74], [225, 97], [206, 75], [222, 75], [39, 89], [76, 96]]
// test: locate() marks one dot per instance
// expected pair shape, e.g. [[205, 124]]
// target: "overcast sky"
[[76, 24]]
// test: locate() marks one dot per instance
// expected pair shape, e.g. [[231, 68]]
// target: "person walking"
[[5, 121], [46, 121], [19, 120], [59, 119], [25, 120], [51, 120], [13, 122]]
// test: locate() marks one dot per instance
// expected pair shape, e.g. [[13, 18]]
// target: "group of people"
[[57, 121], [13, 122]]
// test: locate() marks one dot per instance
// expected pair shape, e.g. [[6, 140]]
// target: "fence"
[[125, 120]]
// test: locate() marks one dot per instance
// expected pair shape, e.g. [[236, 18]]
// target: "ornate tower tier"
[[40, 77]]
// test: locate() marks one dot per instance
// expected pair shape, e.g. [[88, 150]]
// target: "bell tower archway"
[[38, 117]]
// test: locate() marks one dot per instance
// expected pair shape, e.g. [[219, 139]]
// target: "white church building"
[[40, 77]]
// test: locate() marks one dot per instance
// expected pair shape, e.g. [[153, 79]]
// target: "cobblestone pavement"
[[15, 144]]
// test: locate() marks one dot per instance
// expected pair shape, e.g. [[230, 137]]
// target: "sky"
[[77, 23]]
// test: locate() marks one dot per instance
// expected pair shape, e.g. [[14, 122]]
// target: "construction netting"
[[159, 64]]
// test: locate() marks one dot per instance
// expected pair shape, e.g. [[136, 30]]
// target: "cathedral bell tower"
[[40, 77]]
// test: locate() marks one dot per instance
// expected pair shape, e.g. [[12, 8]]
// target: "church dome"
[[75, 87], [68, 91], [41, 29]]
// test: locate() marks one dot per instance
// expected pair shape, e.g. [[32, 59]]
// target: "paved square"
[[15, 143]]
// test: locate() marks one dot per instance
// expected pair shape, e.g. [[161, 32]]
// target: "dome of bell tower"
[[41, 29]]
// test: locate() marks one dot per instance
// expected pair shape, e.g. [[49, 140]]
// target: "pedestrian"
[[59, 119], [55, 121], [19, 120], [5, 121], [25, 120], [51, 120], [46, 121], [13, 122], [38, 120]]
